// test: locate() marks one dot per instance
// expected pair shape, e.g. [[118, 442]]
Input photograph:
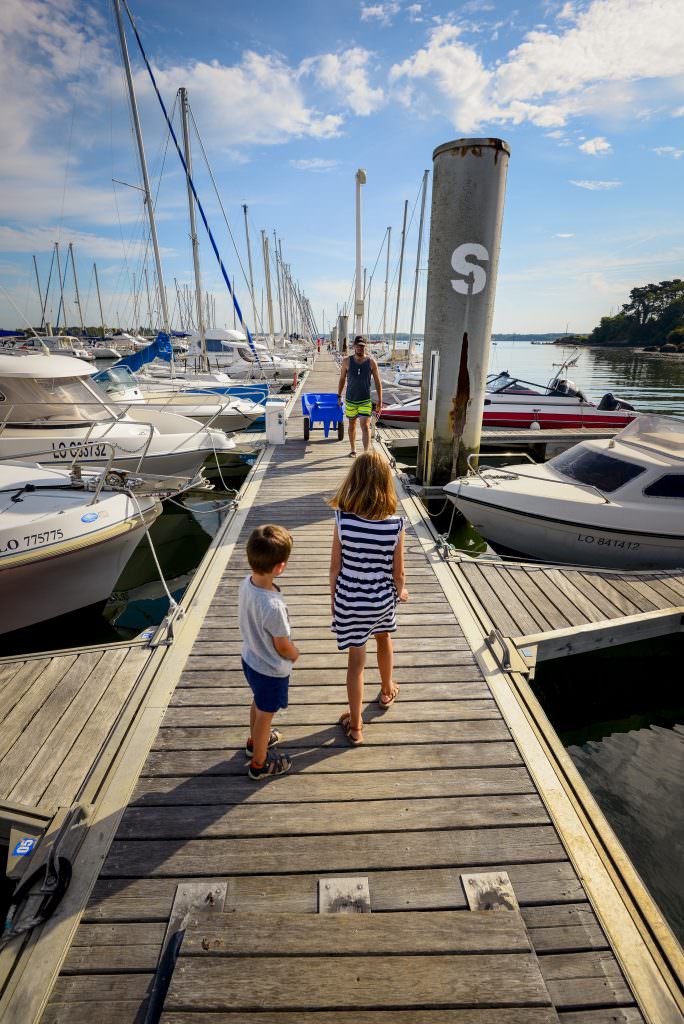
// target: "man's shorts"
[[270, 692], [353, 409]]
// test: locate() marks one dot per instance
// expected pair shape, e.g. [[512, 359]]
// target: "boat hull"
[[553, 540], [45, 588], [547, 420]]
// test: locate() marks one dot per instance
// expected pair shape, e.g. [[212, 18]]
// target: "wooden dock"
[[452, 805]]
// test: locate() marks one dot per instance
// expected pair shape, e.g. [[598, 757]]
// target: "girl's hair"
[[368, 490]]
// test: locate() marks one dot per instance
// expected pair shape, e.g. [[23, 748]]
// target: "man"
[[356, 372]]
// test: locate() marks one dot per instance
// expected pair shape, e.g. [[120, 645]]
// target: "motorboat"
[[65, 538], [51, 404], [615, 503], [227, 413], [511, 402], [232, 353], [58, 344]]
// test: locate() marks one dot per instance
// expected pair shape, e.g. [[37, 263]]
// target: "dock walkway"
[[439, 790]]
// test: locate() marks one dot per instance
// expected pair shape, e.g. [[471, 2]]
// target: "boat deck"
[[451, 785]]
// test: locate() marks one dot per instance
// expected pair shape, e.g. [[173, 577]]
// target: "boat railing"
[[110, 423], [75, 468], [514, 475]]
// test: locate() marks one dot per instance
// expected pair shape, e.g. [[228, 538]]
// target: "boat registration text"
[[31, 540], [76, 450], [610, 542]]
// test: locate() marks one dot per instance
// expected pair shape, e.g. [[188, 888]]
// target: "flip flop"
[[345, 722], [393, 697]]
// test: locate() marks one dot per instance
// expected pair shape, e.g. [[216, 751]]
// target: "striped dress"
[[365, 596]]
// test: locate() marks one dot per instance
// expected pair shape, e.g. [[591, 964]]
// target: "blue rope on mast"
[[194, 190]]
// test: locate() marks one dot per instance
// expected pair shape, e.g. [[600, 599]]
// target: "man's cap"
[[359, 340]]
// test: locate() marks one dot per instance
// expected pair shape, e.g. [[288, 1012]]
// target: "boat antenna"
[[172, 132], [166, 323]]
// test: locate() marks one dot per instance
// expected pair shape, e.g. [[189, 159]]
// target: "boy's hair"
[[368, 490], [268, 546]]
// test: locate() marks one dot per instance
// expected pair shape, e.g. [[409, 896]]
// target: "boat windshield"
[[35, 401], [588, 466]]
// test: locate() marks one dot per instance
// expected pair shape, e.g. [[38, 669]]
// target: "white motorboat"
[[230, 352], [50, 403], [227, 413], [64, 540], [58, 344], [615, 503]]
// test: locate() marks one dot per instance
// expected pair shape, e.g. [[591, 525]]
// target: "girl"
[[366, 578]]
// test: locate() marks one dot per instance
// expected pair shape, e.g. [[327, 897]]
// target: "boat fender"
[[47, 905], [535, 425]]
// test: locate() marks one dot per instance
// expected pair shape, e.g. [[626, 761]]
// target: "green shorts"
[[353, 409]]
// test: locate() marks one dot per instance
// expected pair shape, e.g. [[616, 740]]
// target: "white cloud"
[[679, 112], [669, 151], [599, 58], [596, 186], [564, 234], [346, 75], [41, 239], [414, 12], [381, 12], [315, 163], [598, 146]]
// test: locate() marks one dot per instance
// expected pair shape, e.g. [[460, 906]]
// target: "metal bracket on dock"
[[506, 653]]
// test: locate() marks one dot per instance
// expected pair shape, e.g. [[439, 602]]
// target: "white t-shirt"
[[262, 614]]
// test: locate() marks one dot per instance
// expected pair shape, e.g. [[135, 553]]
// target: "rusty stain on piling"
[[462, 396]]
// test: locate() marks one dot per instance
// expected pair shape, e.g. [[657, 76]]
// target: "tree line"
[[653, 317]]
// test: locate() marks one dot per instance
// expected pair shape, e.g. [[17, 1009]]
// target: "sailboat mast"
[[40, 297], [99, 299], [166, 323], [78, 294], [360, 293], [384, 308], [401, 268], [282, 272], [61, 285], [267, 274], [280, 300], [417, 277], [201, 327], [149, 301], [249, 263]]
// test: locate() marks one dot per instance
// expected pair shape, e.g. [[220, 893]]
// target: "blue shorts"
[[270, 692]]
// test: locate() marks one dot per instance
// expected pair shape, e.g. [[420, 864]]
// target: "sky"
[[290, 98]]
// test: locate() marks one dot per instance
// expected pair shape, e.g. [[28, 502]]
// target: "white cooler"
[[276, 422]]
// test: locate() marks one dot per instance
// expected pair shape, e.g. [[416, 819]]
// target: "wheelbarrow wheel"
[[340, 431], [307, 428]]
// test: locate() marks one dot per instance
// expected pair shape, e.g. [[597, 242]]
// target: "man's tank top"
[[358, 380]]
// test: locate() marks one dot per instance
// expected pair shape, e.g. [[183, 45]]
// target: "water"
[[627, 741]]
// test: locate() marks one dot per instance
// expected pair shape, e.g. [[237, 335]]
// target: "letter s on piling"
[[461, 262]]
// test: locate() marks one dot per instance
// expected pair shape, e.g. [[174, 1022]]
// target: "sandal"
[[392, 697], [275, 764], [273, 740], [352, 454], [345, 722]]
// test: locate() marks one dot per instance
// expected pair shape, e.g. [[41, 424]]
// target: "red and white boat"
[[510, 402]]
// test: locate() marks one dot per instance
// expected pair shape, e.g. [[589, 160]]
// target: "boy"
[[267, 651]]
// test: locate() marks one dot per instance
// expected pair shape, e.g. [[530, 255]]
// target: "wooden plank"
[[427, 757], [616, 1015], [416, 689], [578, 597], [490, 600], [333, 676], [338, 659], [143, 899], [324, 646], [418, 711], [384, 732], [225, 820], [527, 582], [500, 1015], [584, 980], [19, 719], [111, 959], [293, 983], [20, 683], [362, 852], [96, 670], [503, 585], [128, 1011], [605, 587], [559, 929], [606, 633], [89, 741], [100, 988], [334, 934], [331, 788]]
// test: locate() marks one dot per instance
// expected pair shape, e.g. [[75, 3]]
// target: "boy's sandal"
[[385, 699], [273, 739], [275, 764], [345, 722]]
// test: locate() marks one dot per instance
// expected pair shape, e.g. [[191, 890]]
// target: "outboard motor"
[[609, 403]]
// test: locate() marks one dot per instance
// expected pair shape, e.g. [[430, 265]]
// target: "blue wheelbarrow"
[[324, 410]]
